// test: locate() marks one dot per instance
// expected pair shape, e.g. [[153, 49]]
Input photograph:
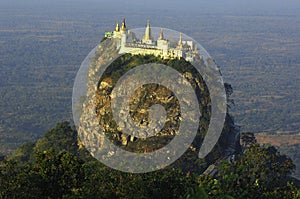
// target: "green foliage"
[[62, 137], [109, 183], [248, 139], [51, 176], [57, 172], [24, 152], [63, 175], [199, 193], [60, 172], [261, 172]]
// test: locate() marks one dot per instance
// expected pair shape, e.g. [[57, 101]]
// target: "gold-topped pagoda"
[[129, 43]]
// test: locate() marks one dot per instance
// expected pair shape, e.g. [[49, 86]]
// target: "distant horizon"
[[240, 7]]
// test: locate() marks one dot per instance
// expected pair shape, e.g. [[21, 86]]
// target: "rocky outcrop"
[[97, 114], [88, 127]]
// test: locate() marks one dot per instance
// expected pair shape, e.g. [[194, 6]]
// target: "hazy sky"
[[267, 7]]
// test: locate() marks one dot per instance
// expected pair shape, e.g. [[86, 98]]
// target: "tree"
[[248, 139], [62, 137], [61, 173], [261, 172]]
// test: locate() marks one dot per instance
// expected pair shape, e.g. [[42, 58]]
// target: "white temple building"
[[129, 43]]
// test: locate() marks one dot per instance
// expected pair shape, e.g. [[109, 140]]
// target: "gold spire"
[[180, 40], [161, 35], [147, 35], [117, 27], [148, 23], [123, 25]]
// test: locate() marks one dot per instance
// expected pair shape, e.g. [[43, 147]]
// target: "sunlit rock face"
[[97, 114]]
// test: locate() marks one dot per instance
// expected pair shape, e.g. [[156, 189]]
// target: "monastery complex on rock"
[[127, 42]]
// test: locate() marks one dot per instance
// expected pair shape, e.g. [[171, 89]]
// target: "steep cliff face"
[[140, 104], [141, 101]]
